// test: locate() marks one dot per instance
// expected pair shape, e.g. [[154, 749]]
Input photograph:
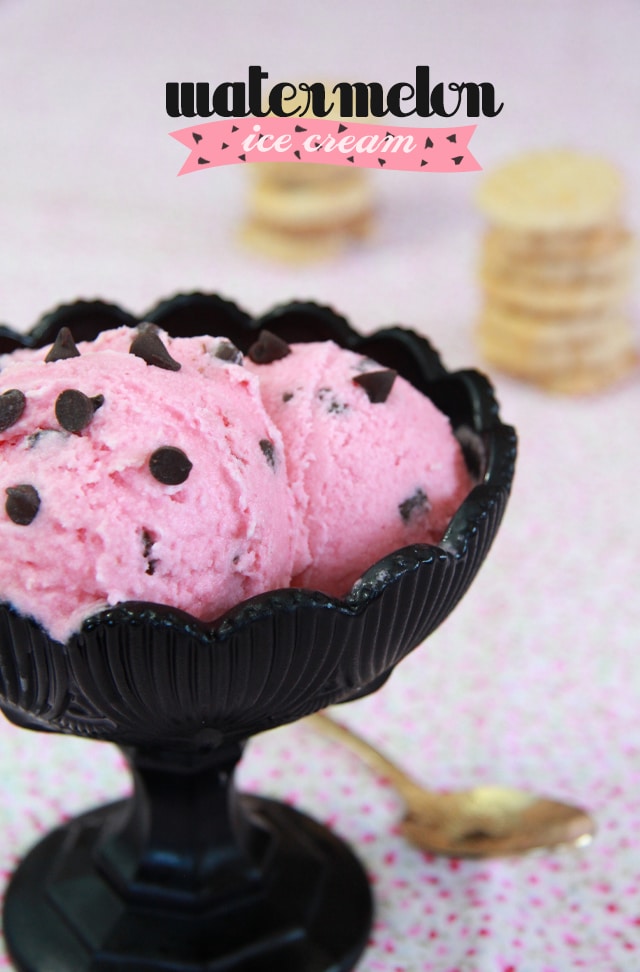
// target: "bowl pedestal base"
[[187, 875]]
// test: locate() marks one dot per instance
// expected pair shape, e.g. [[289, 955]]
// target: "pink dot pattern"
[[531, 682]]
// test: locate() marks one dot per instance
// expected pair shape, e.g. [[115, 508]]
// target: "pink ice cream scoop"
[[373, 464], [138, 468]]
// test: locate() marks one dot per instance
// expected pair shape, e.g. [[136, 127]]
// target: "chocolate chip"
[[269, 347], [148, 541], [269, 451], [227, 351], [74, 410], [287, 396], [23, 503], [335, 406], [63, 347], [170, 465], [148, 345], [416, 504], [12, 405], [377, 384]]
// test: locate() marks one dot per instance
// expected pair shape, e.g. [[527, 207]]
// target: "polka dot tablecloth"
[[534, 680]]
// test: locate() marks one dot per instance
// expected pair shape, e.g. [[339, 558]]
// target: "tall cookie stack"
[[556, 270]]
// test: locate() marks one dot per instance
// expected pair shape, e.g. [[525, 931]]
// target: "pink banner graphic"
[[328, 142]]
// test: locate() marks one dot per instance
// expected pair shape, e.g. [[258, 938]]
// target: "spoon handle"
[[328, 727]]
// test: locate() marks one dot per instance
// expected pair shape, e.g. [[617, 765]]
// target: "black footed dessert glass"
[[187, 874]]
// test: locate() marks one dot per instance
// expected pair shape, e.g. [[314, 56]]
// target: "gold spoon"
[[487, 821]]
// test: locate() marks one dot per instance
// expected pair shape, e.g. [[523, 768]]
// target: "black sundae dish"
[[187, 874]]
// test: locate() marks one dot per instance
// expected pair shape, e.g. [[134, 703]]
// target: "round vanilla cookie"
[[588, 380], [556, 335], [541, 258], [302, 245], [310, 207], [292, 175], [592, 244], [569, 296], [549, 329], [555, 190], [544, 361]]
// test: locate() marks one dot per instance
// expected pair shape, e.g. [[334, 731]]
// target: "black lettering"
[[276, 97], [437, 99], [394, 97], [489, 109], [423, 92], [180, 100], [368, 98], [256, 75], [354, 99], [481, 97], [318, 98], [228, 90], [204, 108]]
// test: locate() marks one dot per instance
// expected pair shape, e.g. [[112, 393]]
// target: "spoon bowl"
[[483, 822]]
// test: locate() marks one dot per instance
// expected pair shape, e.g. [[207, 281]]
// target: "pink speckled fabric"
[[534, 680]]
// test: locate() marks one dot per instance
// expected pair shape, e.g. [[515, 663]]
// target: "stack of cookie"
[[556, 270], [300, 213], [306, 212]]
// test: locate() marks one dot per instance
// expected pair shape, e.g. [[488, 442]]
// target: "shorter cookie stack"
[[306, 212], [556, 270]]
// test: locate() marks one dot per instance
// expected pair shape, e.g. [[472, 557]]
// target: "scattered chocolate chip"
[[377, 384], [148, 541], [170, 465], [12, 405], [74, 410], [269, 451], [269, 347], [23, 503], [418, 503], [334, 406], [473, 451], [287, 396], [63, 347], [227, 351], [148, 345], [36, 436]]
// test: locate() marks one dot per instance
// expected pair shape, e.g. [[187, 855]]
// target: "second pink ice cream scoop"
[[373, 464]]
